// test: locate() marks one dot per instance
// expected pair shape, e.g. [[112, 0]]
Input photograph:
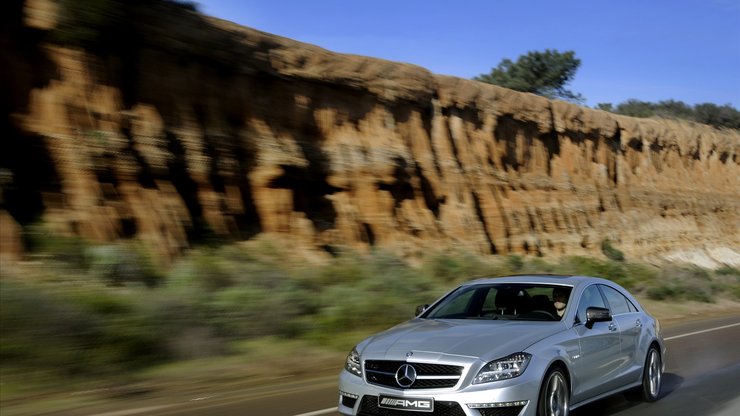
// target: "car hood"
[[479, 339]]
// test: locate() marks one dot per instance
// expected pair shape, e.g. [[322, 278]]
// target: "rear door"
[[630, 328]]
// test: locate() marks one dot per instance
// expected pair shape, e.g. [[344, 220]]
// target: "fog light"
[[348, 399], [350, 395], [496, 405]]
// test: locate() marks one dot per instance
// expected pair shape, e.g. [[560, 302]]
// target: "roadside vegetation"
[[77, 312], [718, 116]]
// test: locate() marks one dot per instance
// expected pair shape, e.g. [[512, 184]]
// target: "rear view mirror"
[[420, 309], [594, 314]]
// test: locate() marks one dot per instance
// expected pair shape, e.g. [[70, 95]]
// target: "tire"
[[652, 376], [554, 395]]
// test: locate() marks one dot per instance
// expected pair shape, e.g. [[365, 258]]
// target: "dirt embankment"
[[203, 128]]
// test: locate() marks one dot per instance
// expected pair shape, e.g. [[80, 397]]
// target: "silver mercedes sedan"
[[518, 345]]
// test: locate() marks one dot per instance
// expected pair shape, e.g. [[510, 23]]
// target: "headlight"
[[505, 368], [353, 363]]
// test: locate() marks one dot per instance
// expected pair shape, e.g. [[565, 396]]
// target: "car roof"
[[554, 279]]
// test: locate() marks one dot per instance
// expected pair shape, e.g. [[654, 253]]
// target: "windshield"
[[529, 302]]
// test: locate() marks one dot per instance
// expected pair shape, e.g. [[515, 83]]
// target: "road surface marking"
[[129, 412], [319, 412], [201, 398], [701, 332]]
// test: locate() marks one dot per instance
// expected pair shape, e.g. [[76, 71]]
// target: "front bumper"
[[513, 397]]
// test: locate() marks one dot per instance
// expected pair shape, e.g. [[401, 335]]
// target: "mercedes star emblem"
[[406, 375]]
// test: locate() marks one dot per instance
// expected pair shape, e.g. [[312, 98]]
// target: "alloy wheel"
[[653, 374], [556, 396]]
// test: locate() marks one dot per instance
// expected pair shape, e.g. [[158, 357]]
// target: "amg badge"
[[406, 403]]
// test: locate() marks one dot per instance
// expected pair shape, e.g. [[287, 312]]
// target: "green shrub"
[[680, 292], [638, 276], [211, 272], [515, 263], [250, 311], [538, 265], [446, 268], [734, 291], [586, 266], [684, 283], [664, 292], [728, 271], [75, 334], [347, 268], [611, 252], [69, 251], [457, 266], [124, 263]]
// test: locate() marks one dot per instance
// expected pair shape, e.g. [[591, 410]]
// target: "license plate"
[[406, 403]]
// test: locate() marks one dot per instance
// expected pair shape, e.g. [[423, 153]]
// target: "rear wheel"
[[554, 395], [652, 376]]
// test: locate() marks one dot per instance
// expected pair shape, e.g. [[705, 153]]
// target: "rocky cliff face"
[[211, 128]]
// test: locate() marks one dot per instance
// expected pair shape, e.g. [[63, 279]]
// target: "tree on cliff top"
[[542, 73]]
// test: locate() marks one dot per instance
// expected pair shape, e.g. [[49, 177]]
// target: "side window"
[[617, 302], [489, 304], [590, 297]]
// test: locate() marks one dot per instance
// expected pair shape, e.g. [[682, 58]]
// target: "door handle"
[[612, 327], [638, 323]]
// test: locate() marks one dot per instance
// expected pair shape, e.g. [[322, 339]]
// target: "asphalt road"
[[702, 378]]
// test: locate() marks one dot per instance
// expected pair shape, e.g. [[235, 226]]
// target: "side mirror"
[[420, 309], [594, 314]]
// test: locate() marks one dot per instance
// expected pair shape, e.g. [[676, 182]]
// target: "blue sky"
[[652, 50]]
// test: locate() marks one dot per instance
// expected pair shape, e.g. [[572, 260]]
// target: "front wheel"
[[554, 395], [652, 376]]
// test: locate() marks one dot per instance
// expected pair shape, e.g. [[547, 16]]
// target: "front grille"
[[428, 376], [501, 411], [369, 407], [421, 368]]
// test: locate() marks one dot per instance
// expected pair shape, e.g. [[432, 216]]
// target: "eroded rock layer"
[[175, 140]]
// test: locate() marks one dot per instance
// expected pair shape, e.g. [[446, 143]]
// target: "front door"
[[596, 368]]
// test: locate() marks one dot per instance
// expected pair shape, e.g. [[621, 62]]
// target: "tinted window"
[[591, 297], [489, 304], [617, 302]]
